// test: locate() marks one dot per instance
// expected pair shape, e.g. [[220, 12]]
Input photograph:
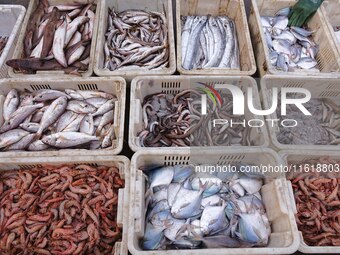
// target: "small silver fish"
[[11, 104], [68, 139], [12, 136]]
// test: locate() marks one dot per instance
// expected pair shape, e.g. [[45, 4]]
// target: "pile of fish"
[[188, 210], [177, 120], [317, 201], [321, 128], [136, 39], [57, 38], [209, 42], [52, 119], [3, 42], [290, 48], [66, 210], [337, 33]]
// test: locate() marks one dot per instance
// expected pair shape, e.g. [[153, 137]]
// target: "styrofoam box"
[[284, 238], [235, 10], [143, 86], [328, 58], [319, 88], [331, 12], [121, 162], [114, 85], [298, 157], [12, 17], [123, 5], [47, 74]]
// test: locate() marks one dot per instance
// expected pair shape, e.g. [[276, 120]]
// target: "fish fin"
[[149, 192], [182, 229], [197, 237], [213, 221], [257, 232], [185, 205]]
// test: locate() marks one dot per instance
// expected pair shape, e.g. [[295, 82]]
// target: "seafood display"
[[317, 196], [321, 128], [3, 42], [64, 209], [177, 120], [57, 38], [136, 39], [209, 42], [188, 209], [290, 48], [52, 119]]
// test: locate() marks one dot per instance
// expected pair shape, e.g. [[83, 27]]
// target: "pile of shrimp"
[[69, 209], [317, 200]]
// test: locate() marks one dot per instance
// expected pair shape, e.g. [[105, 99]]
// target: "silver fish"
[[152, 237], [30, 127], [22, 144], [75, 124], [80, 107], [49, 94], [11, 104], [197, 25], [52, 114], [187, 203], [250, 185], [59, 43], [173, 189], [106, 119], [161, 176], [65, 119], [280, 22], [283, 12], [253, 229], [12, 136], [67, 139], [96, 101], [108, 106], [213, 219], [87, 125], [307, 63], [109, 137], [19, 116]]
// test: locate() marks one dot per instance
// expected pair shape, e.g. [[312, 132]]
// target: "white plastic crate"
[[235, 10], [114, 85], [284, 238], [121, 162], [328, 58], [11, 17], [297, 157], [319, 88], [143, 86], [331, 12], [20, 45], [122, 5]]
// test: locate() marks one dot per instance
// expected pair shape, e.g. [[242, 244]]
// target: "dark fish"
[[74, 47], [49, 33]]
